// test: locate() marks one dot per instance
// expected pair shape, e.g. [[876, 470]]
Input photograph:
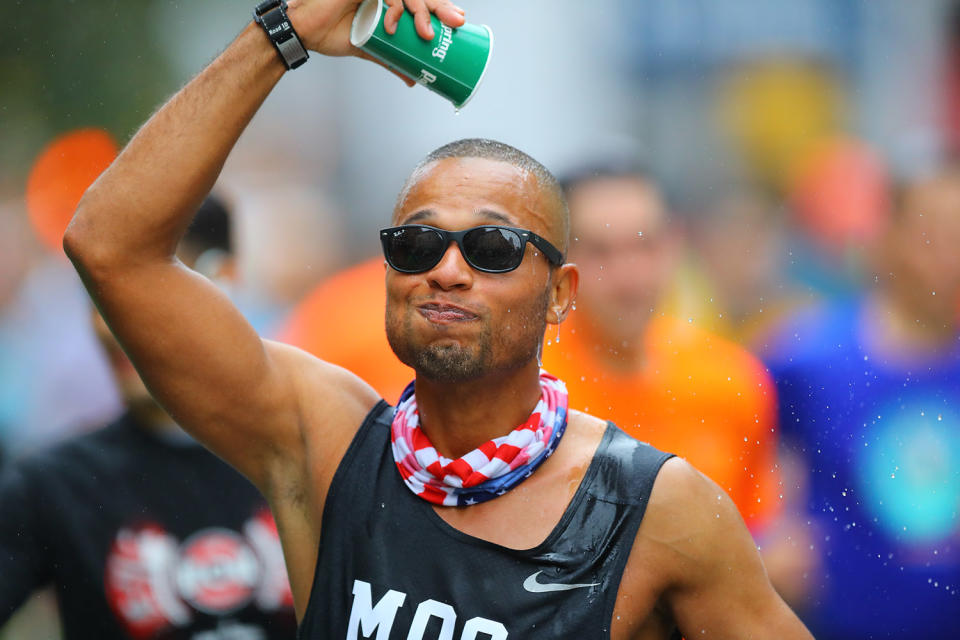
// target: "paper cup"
[[452, 64]]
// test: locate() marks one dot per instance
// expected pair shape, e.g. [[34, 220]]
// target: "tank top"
[[390, 568]]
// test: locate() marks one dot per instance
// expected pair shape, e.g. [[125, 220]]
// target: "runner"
[[143, 532], [449, 510]]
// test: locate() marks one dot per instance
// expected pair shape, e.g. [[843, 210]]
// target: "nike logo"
[[533, 586]]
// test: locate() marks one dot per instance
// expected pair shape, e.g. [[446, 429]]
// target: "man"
[[142, 531], [869, 388], [662, 379], [665, 380], [364, 495]]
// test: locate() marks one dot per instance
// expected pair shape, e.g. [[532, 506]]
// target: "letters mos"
[[367, 619]]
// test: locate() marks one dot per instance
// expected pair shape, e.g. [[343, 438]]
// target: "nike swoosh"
[[531, 585]]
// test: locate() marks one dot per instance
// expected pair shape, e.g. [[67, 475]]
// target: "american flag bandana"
[[491, 469]]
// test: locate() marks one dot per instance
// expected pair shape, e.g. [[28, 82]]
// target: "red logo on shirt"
[[154, 583], [217, 571]]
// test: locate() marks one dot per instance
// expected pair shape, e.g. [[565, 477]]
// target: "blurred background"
[[782, 134]]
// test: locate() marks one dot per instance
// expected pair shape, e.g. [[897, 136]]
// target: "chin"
[[449, 361]]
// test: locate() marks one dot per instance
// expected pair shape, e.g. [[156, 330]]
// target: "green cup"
[[452, 64]]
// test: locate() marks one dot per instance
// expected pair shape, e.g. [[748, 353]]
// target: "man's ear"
[[563, 292]]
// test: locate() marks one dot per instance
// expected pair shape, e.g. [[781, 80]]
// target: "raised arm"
[[715, 586], [238, 394]]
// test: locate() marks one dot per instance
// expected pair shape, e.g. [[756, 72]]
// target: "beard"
[[447, 362], [495, 349]]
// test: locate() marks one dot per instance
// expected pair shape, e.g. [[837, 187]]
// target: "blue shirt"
[[882, 444]]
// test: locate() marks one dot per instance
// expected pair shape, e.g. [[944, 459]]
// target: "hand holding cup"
[[324, 25]]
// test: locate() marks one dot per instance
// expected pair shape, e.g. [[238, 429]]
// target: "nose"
[[452, 272]]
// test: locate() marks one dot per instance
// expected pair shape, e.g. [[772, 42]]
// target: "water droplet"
[[456, 112]]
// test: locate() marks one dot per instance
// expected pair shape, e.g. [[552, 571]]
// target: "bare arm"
[[717, 587], [240, 395]]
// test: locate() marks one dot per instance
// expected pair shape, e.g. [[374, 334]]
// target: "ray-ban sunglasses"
[[414, 248]]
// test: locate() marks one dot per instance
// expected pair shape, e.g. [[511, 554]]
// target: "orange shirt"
[[341, 321], [698, 396]]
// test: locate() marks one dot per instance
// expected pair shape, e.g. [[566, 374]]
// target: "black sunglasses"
[[414, 248]]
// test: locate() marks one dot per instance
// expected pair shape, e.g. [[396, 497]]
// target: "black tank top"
[[390, 568]]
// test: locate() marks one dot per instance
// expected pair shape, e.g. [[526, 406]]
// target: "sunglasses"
[[414, 248]]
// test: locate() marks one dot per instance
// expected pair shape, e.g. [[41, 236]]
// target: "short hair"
[[614, 168], [500, 152], [211, 227]]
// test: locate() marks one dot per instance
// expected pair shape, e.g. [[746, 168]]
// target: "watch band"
[[272, 16]]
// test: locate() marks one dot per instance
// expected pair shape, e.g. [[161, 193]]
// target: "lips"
[[443, 313]]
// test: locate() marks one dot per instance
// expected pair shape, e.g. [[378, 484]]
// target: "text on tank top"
[[390, 568]]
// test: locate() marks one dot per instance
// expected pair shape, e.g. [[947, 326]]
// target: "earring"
[[556, 311]]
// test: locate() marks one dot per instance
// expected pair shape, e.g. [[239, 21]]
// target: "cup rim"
[[365, 22]]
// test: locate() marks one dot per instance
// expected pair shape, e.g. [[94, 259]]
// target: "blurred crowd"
[[784, 312]]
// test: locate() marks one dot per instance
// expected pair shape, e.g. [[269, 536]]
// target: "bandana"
[[491, 469]]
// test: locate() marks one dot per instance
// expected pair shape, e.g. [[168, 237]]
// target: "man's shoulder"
[[687, 509], [331, 397], [624, 468]]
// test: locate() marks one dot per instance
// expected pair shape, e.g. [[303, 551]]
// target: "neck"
[[459, 417]]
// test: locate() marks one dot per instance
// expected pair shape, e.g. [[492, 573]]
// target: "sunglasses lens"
[[414, 249], [493, 248]]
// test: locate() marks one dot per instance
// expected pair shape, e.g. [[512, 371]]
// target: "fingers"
[[392, 16], [421, 18], [448, 13]]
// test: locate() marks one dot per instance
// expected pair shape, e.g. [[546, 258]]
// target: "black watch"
[[272, 16]]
